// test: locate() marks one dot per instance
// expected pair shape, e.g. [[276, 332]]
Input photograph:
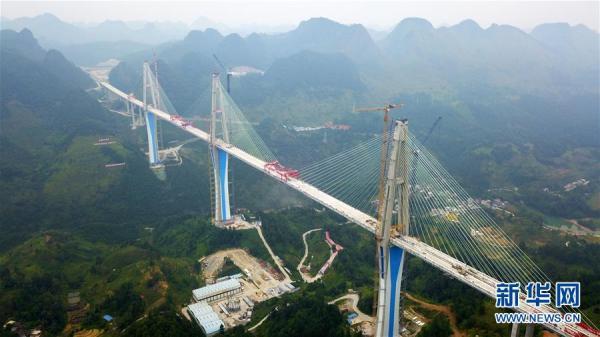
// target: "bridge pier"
[[152, 138], [388, 320], [514, 332], [151, 94], [220, 163], [219, 158]]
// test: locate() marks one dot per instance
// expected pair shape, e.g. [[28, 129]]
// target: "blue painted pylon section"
[[152, 138], [220, 160], [224, 182], [393, 283]]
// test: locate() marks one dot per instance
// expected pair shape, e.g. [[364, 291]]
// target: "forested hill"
[[51, 174], [23, 44]]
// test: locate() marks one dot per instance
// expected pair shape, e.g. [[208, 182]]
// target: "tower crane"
[[386, 111], [227, 72], [437, 121]]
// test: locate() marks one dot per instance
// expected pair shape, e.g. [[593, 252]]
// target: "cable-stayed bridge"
[[446, 228]]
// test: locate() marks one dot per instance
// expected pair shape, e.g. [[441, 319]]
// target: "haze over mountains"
[[51, 30], [464, 46], [520, 119]]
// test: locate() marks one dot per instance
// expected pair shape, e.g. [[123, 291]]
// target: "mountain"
[[312, 70], [56, 63], [260, 50], [404, 28], [52, 174], [47, 28], [326, 36], [318, 58], [44, 117], [53, 32], [23, 43], [92, 53], [501, 55], [575, 44]]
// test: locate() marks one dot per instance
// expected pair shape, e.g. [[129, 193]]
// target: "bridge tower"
[[219, 158], [393, 222], [151, 100]]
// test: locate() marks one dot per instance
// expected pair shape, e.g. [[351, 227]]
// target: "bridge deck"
[[448, 264]]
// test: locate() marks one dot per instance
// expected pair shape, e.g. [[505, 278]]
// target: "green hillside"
[[519, 121]]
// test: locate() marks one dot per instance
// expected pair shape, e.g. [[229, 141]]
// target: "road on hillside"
[[306, 278], [362, 317], [273, 256]]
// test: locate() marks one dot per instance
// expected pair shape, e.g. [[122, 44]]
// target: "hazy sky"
[[377, 14]]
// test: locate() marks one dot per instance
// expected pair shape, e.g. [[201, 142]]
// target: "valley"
[[96, 242]]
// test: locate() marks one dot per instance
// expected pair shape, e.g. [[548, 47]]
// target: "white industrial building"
[[206, 318], [217, 291]]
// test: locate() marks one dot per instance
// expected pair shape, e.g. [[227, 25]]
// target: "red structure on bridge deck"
[[285, 173], [181, 121]]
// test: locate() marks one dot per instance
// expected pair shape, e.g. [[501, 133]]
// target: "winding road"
[[306, 278]]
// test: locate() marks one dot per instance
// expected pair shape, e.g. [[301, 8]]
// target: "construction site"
[[228, 301]]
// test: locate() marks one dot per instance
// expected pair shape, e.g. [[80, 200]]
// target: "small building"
[[236, 276], [248, 301], [107, 318], [206, 318], [217, 291], [351, 317]]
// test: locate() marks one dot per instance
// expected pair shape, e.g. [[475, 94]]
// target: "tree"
[[439, 327]]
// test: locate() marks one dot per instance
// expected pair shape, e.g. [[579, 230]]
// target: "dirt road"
[[306, 278], [353, 298], [444, 310], [273, 256]]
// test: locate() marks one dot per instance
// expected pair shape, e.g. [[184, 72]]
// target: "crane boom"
[[227, 72], [385, 108], [219, 62], [431, 129]]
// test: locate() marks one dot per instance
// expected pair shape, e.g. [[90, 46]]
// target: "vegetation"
[[438, 327], [289, 315], [163, 322], [318, 251], [129, 242]]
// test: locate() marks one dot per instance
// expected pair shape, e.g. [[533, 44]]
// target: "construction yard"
[[259, 281]]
